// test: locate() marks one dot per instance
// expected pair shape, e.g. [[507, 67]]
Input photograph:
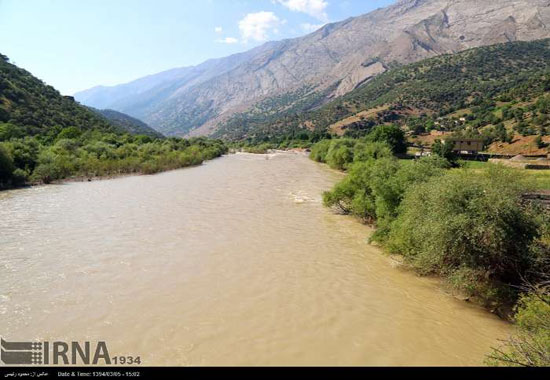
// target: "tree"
[[539, 143], [340, 154], [444, 149], [6, 166], [501, 133], [69, 133], [391, 135]]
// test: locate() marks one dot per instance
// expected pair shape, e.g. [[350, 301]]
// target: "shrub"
[[444, 150], [354, 194], [391, 135], [374, 189], [340, 153], [19, 177], [69, 133], [46, 173], [390, 184], [6, 165], [320, 150], [364, 151], [459, 221], [530, 347]]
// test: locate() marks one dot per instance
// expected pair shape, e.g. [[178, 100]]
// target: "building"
[[466, 146]]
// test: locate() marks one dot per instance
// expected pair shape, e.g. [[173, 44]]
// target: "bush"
[[340, 153], [391, 135], [530, 347], [19, 177], [6, 166], [69, 152], [320, 150], [374, 188], [364, 151], [459, 222], [444, 150], [69, 133], [354, 195], [391, 183], [46, 173]]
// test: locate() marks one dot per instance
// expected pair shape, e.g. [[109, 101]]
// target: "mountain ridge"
[[340, 57], [35, 108]]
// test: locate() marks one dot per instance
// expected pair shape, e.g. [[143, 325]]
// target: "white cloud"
[[218, 29], [256, 26], [314, 8], [310, 28], [228, 40]]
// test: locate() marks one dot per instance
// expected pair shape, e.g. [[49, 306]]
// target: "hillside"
[[302, 73], [46, 137], [495, 91], [35, 107], [128, 123]]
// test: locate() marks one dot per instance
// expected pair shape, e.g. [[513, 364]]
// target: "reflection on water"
[[235, 262]]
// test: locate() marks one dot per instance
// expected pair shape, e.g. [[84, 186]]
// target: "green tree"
[[340, 153], [392, 135], [320, 150], [6, 166], [444, 150]]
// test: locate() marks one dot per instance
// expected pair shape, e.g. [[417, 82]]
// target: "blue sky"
[[77, 44]]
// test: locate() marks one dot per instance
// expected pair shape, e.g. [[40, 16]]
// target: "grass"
[[473, 164], [541, 177]]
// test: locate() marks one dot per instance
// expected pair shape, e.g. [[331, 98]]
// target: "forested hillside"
[[127, 123], [495, 90], [31, 107], [46, 137]]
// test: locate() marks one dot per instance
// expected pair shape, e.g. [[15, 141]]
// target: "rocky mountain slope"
[[303, 73], [493, 90]]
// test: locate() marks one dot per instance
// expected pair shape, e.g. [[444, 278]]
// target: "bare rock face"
[[335, 59]]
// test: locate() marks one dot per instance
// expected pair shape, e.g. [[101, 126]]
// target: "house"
[[466, 146]]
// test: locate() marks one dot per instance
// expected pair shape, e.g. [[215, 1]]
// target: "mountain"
[[506, 84], [304, 73], [36, 108], [128, 123], [29, 103]]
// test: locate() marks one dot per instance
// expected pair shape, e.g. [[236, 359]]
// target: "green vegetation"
[[302, 140], [489, 92], [127, 123], [95, 153], [383, 141], [541, 178], [530, 347], [28, 107], [46, 137], [471, 229], [470, 225]]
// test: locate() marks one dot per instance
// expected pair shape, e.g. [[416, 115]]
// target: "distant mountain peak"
[[306, 72]]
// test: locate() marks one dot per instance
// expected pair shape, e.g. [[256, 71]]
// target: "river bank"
[[189, 267], [476, 229]]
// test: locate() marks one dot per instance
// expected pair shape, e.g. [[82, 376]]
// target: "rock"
[[331, 61]]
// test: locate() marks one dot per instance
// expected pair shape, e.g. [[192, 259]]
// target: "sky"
[[74, 45]]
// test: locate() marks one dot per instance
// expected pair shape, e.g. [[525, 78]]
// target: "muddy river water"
[[235, 262]]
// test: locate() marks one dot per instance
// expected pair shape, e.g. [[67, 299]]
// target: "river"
[[235, 262]]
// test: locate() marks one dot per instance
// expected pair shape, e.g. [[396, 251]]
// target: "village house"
[[465, 145]]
